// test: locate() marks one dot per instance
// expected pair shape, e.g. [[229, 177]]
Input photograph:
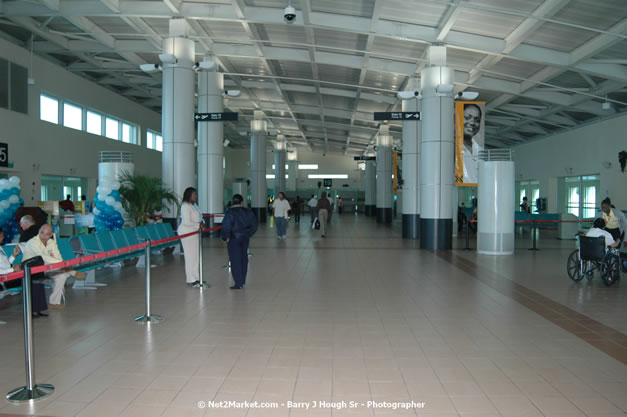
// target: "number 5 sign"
[[4, 155]]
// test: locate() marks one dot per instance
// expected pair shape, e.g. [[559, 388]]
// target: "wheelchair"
[[592, 255]]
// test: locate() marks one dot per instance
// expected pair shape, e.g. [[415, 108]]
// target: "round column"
[[240, 187], [437, 159], [178, 119], [496, 200], [210, 147], [411, 177], [384, 177], [279, 166], [258, 167], [371, 189]]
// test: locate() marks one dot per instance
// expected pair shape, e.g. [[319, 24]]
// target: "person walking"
[[615, 220], [313, 207], [280, 208], [238, 226], [298, 205], [340, 205], [324, 208], [191, 221]]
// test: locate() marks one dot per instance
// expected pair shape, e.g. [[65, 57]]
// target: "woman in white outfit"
[[191, 220]]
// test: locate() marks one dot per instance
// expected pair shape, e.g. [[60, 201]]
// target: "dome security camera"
[[289, 14]]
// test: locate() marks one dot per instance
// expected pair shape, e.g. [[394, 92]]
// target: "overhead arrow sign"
[[214, 117], [400, 115]]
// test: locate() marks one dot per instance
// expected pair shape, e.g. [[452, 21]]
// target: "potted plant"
[[141, 196]]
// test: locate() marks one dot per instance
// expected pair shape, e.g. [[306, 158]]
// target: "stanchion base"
[[533, 249], [203, 285], [153, 318], [23, 394]]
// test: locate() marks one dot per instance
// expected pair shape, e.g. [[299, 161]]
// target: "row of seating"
[[81, 245]]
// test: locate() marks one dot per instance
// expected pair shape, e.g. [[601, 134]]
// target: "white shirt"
[[280, 208], [312, 202], [5, 263], [190, 218], [595, 232]]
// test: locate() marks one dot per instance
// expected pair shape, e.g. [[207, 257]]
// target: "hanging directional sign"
[[364, 158], [214, 117], [399, 115]]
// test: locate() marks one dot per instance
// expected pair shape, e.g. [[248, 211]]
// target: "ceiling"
[[541, 66]]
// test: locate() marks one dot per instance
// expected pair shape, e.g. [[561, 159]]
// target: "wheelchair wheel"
[[573, 266], [610, 269]]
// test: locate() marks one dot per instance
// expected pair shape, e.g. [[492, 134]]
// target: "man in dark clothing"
[[238, 226], [324, 208], [296, 208], [67, 204], [29, 228]]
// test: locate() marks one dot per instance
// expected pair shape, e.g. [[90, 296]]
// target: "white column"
[[210, 144], [279, 165], [371, 188], [411, 171], [258, 166], [496, 199], [437, 155], [178, 154], [384, 176]]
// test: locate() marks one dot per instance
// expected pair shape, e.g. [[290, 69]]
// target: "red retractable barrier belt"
[[97, 256]]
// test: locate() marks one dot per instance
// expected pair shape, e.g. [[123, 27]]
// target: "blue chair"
[[90, 243], [108, 242], [131, 236], [119, 238], [105, 241], [8, 250], [68, 254]]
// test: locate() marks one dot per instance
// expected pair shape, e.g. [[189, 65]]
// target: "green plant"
[[141, 196]]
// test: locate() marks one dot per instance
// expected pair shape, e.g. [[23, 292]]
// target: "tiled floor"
[[360, 316]]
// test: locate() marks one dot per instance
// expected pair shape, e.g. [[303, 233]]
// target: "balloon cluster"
[[10, 200], [108, 211]]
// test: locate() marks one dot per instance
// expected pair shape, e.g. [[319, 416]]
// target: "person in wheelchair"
[[598, 230]]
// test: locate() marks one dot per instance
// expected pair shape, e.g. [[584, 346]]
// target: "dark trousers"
[[37, 293], [297, 217], [238, 255]]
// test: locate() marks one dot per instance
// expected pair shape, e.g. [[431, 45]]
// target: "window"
[[94, 123], [49, 109], [154, 141], [274, 166], [312, 166], [112, 129], [329, 176], [272, 176], [159, 144], [72, 116], [578, 195], [126, 132]]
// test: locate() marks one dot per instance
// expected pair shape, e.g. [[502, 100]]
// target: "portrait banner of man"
[[469, 141]]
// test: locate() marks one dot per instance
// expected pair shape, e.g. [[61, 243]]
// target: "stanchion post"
[[467, 235], [201, 284], [148, 317], [31, 391], [534, 229]]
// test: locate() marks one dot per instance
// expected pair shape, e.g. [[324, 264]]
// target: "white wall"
[[577, 152], [37, 147], [238, 165]]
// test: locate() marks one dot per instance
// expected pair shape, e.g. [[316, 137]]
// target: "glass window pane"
[[126, 133], [159, 145], [49, 109], [72, 116], [573, 200], [111, 128], [149, 139], [94, 123]]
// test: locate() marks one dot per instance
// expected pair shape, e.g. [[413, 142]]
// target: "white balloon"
[[99, 189], [96, 211], [14, 199], [14, 180], [115, 185], [4, 184], [102, 196], [110, 200], [106, 190], [4, 204], [117, 205]]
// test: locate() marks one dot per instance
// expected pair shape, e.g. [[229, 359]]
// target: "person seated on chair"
[[29, 228], [38, 294], [598, 229], [42, 245]]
